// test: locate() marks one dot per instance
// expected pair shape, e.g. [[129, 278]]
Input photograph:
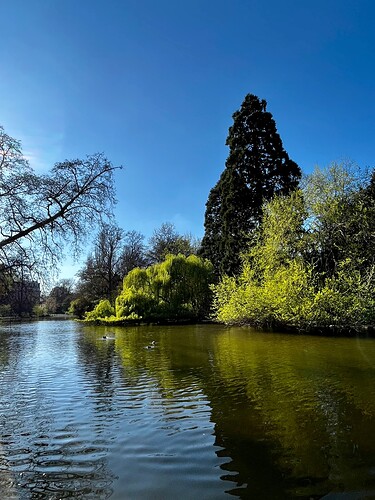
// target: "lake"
[[204, 412]]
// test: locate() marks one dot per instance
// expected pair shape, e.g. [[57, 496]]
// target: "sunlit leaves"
[[177, 288], [310, 267], [101, 310]]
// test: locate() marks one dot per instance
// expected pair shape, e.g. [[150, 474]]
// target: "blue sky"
[[154, 83]]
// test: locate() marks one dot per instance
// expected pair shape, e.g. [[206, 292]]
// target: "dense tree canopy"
[[341, 206], [313, 264], [59, 298], [178, 288], [116, 253], [256, 169], [174, 289]]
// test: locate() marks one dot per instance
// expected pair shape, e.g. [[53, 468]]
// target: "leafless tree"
[[133, 252], [166, 240], [42, 214], [101, 275]]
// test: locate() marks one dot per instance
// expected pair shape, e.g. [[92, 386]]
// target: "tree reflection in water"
[[208, 412], [292, 416]]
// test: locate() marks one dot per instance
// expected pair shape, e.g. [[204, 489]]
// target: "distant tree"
[[133, 252], [166, 240], [23, 294], [101, 275], [79, 306], [256, 169], [40, 214], [59, 298]]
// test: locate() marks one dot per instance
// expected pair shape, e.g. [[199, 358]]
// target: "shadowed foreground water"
[[206, 413]]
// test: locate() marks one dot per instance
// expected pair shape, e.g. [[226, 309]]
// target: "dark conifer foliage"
[[257, 168]]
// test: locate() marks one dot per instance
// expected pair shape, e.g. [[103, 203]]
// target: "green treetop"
[[257, 168]]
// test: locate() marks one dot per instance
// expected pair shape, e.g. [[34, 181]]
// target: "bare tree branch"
[[42, 214]]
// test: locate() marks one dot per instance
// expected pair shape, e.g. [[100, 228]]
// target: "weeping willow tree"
[[176, 289]]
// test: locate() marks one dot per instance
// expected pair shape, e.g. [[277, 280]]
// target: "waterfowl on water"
[[106, 337], [151, 346]]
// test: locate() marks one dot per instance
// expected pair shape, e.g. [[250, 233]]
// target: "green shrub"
[[282, 284], [101, 310], [178, 288], [40, 310], [5, 310], [78, 307]]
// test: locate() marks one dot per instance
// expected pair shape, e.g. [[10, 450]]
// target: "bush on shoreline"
[[177, 289], [310, 269]]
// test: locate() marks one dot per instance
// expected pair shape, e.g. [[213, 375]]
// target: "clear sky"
[[154, 83]]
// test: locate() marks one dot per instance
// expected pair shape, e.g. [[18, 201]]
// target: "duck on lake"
[[106, 337], [151, 346]]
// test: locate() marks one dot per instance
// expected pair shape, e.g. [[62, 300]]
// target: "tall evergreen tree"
[[257, 168]]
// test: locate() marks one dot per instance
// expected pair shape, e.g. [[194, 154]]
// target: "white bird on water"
[[152, 345]]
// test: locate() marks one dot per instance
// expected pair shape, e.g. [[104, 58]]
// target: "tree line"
[[312, 266], [40, 215], [116, 253], [279, 249]]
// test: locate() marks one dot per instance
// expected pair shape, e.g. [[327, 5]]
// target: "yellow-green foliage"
[[39, 310], [279, 287], [101, 310], [274, 286], [174, 289], [283, 297], [348, 298]]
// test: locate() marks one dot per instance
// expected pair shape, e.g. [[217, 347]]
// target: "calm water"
[[207, 413]]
